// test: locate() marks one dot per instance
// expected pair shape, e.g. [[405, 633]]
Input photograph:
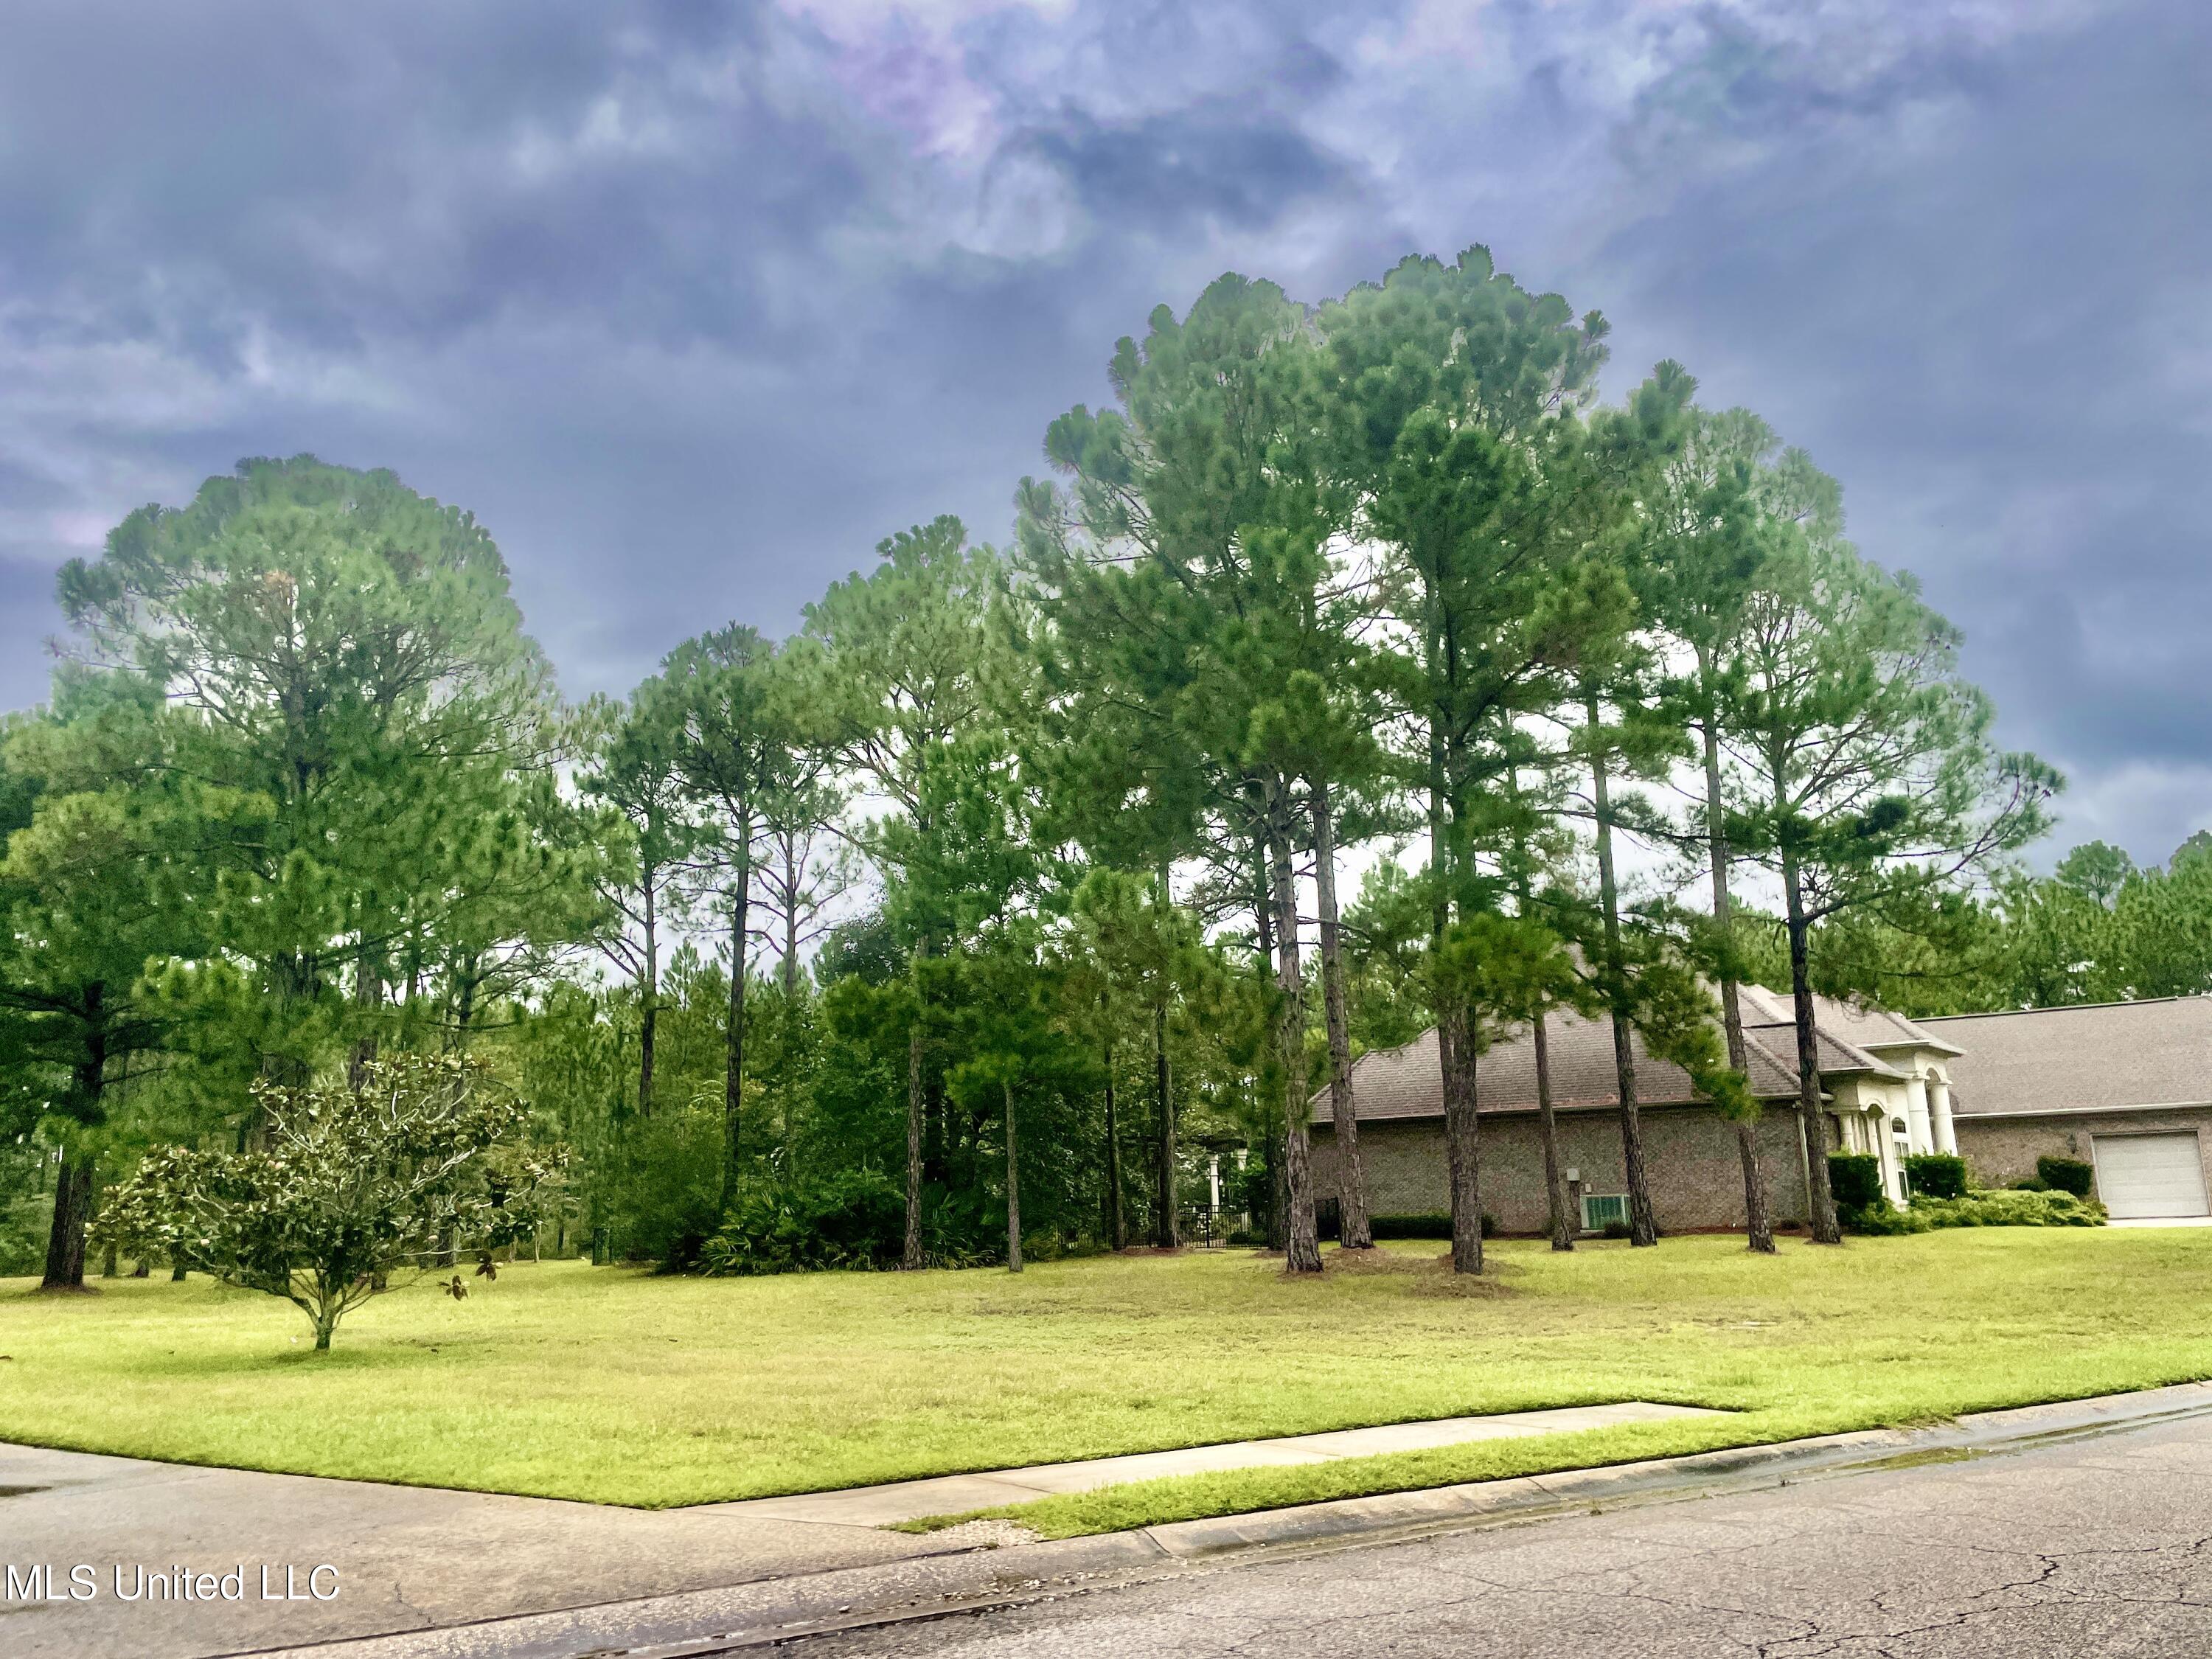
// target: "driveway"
[[2096, 1547]]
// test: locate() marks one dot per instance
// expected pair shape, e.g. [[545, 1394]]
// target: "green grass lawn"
[[615, 1387]]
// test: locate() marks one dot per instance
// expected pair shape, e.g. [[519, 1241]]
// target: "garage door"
[[2140, 1176]]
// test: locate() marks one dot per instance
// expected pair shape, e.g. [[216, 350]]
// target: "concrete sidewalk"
[[442, 1574], [955, 1494], [772, 1614], [418, 1558]]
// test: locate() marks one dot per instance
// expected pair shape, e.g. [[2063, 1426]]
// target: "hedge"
[[1431, 1224], [2066, 1175], [1855, 1179], [1937, 1175], [2008, 1208]]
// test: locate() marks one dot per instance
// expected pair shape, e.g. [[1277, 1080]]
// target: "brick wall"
[[1689, 1154], [2000, 1150]]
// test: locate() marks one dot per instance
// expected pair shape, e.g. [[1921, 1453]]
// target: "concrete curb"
[[770, 1610]]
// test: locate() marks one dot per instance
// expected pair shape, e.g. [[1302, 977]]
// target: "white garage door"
[[2139, 1177]]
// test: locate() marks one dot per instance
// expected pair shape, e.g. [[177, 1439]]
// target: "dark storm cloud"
[[1215, 163], [347, 184], [693, 303], [1991, 330]]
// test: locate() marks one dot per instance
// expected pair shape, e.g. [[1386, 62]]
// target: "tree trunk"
[[1643, 1228], [1454, 1036], [1117, 1225], [72, 1214], [1548, 1130], [788, 1037], [1263, 912], [464, 1003], [1819, 1199], [734, 1042], [1263, 905], [1351, 1180], [1758, 1228], [1462, 1137], [1279, 1200], [1013, 1188], [1301, 1247], [294, 977], [649, 999], [910, 1257], [790, 921], [1169, 1234], [368, 994], [1562, 1228], [73, 1181]]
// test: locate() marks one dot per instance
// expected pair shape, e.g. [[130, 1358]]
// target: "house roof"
[[1869, 1028], [2102, 1057], [1407, 1083]]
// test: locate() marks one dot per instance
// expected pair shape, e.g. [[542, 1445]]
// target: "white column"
[[1939, 1112], [1916, 1115]]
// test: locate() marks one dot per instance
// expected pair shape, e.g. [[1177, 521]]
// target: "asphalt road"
[[2090, 1546]]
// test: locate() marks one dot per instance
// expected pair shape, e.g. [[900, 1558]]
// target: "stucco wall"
[[1689, 1157], [2000, 1150]]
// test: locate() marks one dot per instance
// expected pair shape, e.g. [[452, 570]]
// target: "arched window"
[[1903, 1136]]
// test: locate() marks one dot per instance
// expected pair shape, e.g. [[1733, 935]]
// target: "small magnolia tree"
[[347, 1186]]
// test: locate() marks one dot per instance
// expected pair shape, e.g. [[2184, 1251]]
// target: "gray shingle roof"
[[1866, 1028], [1406, 1082], [2099, 1058]]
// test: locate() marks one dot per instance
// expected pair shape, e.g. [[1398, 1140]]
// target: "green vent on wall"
[[1599, 1212]]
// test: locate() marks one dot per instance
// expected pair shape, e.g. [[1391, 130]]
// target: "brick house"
[[2127, 1086]]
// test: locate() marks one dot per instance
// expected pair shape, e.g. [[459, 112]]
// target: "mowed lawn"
[[616, 1387]]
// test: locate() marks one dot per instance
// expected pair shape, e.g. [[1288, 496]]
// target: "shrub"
[[1616, 1230], [2010, 1208], [853, 1220], [1428, 1225], [1053, 1245], [24, 1211], [657, 1189], [347, 1187], [1855, 1178], [2031, 1184], [1937, 1175], [1884, 1220], [1435, 1224], [1246, 1236], [2067, 1174], [1252, 1190]]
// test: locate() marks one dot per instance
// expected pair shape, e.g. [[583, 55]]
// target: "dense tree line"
[[1011, 902]]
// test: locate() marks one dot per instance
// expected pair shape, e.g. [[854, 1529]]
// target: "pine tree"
[[1863, 775]]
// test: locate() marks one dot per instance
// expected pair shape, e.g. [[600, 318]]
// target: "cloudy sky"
[[692, 303]]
